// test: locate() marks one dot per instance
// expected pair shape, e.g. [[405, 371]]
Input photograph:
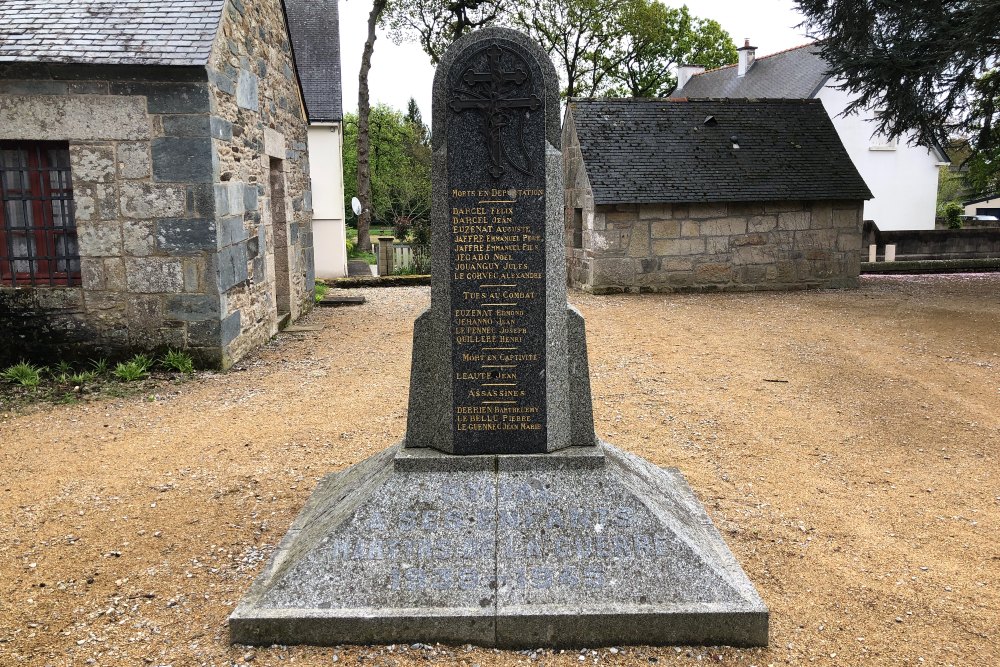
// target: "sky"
[[402, 71]]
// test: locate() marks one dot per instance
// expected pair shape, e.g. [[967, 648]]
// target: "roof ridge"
[[769, 55]]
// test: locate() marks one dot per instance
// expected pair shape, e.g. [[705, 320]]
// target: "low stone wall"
[[718, 246], [933, 244]]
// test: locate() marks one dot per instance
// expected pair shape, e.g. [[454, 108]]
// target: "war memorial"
[[501, 519]]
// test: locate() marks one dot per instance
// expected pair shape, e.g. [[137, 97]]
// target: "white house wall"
[[903, 180], [327, 172]]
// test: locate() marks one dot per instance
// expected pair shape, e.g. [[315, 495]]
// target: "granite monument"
[[501, 520]]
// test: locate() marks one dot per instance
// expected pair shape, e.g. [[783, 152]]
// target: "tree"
[[364, 109], [435, 24], [615, 47], [571, 31], [400, 162], [654, 40], [925, 66]]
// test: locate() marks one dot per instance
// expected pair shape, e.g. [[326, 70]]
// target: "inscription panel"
[[496, 205]]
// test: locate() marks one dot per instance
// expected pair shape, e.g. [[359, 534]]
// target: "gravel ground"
[[845, 443]]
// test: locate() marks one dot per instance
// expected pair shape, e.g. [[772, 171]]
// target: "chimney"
[[746, 57], [685, 72]]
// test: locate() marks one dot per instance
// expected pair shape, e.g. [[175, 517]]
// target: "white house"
[[315, 29], [902, 177], [989, 205]]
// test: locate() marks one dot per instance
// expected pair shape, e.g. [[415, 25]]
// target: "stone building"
[[154, 178], [671, 195]]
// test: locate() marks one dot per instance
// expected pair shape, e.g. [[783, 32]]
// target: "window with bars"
[[38, 245]]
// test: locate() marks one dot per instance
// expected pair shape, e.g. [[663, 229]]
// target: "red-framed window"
[[38, 245]]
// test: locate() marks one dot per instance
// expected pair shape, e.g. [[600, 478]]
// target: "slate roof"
[[795, 74], [677, 150], [315, 29], [110, 32]]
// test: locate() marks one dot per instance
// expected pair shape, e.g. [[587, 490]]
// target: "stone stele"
[[501, 520]]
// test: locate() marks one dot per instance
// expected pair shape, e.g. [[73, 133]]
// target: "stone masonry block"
[[231, 327], [610, 240], [144, 201], [95, 202], [99, 239], [185, 235], [665, 229], [92, 164], [638, 245], [822, 215], [73, 118], [707, 210], [678, 247], [221, 198], [621, 216], [153, 275], [191, 307], [794, 221], [675, 264], [274, 143], [186, 125], [92, 274], [782, 206], [114, 273], [139, 237], [247, 91], [655, 212], [221, 129], [252, 196], [717, 245], [724, 227], [232, 230], [746, 208], [848, 241], [182, 159], [762, 223], [690, 229], [609, 271], [713, 273], [133, 160], [201, 200], [162, 98], [848, 218], [233, 268]]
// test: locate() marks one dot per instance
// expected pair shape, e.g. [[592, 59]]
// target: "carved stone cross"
[[491, 93]]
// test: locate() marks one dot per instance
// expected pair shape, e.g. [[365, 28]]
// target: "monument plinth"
[[501, 520]]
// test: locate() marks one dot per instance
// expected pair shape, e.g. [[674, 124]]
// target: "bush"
[[176, 360], [320, 292], [953, 214], [24, 374]]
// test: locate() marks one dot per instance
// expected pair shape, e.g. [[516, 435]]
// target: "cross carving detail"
[[491, 93]]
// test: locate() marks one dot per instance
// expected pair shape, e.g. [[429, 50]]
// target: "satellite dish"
[[356, 205]]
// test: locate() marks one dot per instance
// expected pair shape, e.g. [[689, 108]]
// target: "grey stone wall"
[[578, 196], [144, 210], [723, 246], [258, 116], [170, 169]]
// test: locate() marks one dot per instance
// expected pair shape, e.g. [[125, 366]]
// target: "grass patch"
[[320, 292]]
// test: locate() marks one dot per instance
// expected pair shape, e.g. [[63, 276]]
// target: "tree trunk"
[[364, 170]]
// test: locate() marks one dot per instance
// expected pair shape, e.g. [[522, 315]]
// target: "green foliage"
[[400, 162], [435, 24], [135, 368], [953, 214], [177, 360], [951, 188], [653, 41], [82, 378], [100, 366], [320, 292], [614, 47], [928, 67], [24, 374]]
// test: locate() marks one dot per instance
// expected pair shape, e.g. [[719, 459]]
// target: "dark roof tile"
[[315, 30], [662, 151]]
